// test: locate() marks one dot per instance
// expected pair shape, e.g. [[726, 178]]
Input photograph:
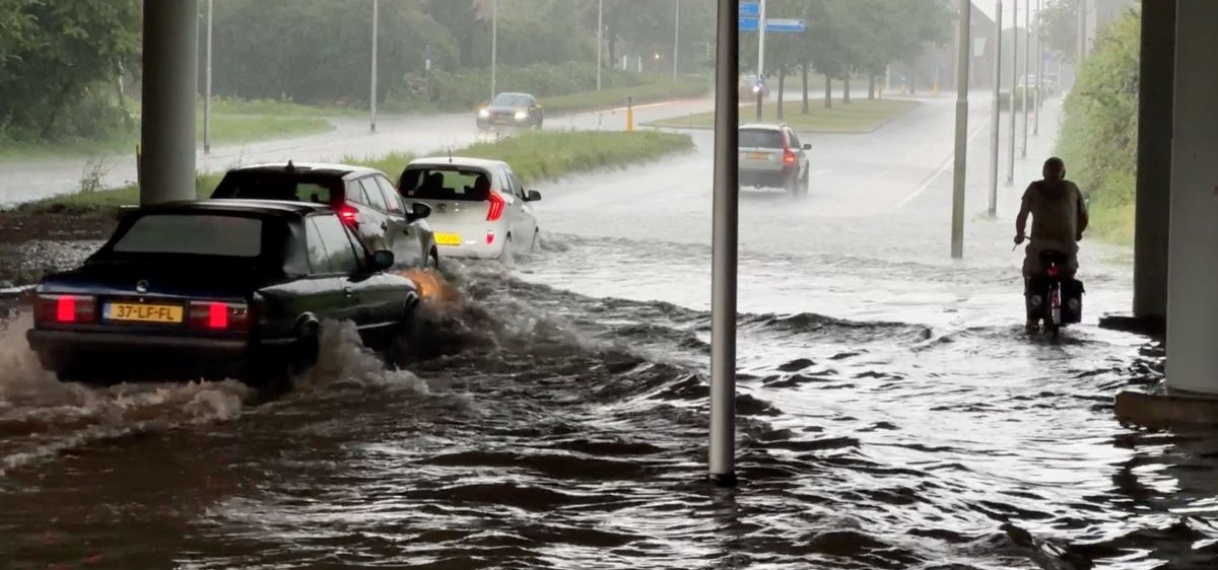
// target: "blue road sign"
[[750, 9], [774, 25]]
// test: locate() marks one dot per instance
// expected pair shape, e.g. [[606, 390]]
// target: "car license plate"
[[758, 156], [142, 313], [448, 239]]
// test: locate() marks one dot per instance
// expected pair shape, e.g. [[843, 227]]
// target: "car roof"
[[276, 208], [335, 169], [762, 127], [456, 161], [514, 93]]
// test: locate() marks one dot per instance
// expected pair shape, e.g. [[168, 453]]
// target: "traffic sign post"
[[751, 14]]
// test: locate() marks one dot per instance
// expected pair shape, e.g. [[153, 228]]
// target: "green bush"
[[1099, 134]]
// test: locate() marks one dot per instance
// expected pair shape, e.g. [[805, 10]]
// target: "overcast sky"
[[987, 6]]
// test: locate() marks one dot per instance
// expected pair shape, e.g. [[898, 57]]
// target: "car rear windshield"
[[449, 183], [760, 138], [220, 235], [269, 185]]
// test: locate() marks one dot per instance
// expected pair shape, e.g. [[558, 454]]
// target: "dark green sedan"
[[216, 289]]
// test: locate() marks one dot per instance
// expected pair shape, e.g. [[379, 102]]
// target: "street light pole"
[[726, 221], [1014, 83], [1040, 69], [760, 58], [995, 124], [676, 38], [375, 10], [494, 42], [207, 87], [1027, 52], [600, 40], [962, 61]]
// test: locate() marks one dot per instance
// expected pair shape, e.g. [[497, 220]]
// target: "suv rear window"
[[760, 138], [267, 185], [193, 234], [442, 183]]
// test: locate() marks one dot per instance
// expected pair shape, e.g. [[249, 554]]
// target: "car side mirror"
[[420, 211], [533, 196], [807, 146], [382, 259]]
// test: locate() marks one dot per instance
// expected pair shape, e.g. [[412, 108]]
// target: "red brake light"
[[497, 206], [219, 316], [64, 309], [348, 214], [1052, 271], [788, 157], [490, 237]]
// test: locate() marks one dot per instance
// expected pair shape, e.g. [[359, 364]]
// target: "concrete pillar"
[[1157, 70], [1192, 271], [167, 127]]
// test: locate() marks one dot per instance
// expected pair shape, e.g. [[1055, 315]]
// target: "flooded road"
[[892, 413]]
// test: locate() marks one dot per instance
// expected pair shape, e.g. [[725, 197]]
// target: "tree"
[[1059, 28], [63, 51]]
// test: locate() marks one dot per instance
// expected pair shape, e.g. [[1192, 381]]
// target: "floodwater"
[[892, 415]]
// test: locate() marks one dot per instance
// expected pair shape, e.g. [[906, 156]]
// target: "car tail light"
[[490, 237], [497, 206], [349, 215], [788, 157], [219, 316], [1052, 271], [65, 309]]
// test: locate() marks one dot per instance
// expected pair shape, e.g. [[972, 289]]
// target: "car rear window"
[[425, 183], [760, 138], [302, 187], [193, 234]]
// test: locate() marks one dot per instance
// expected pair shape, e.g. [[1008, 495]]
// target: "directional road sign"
[[749, 24], [750, 9]]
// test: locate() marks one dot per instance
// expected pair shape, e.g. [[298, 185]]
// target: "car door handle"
[[347, 290]]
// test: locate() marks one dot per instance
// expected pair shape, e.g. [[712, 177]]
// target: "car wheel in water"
[[803, 186], [505, 255], [792, 185], [536, 245], [433, 260]]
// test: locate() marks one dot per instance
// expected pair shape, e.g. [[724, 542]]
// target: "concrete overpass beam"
[[1154, 158], [1192, 270], [170, 89]]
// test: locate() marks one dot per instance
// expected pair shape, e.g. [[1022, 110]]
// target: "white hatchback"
[[479, 208]]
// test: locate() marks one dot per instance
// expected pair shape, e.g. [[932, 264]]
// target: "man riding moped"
[[1059, 218]]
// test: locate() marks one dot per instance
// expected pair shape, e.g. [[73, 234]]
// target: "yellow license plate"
[[142, 313], [758, 156], [448, 239]]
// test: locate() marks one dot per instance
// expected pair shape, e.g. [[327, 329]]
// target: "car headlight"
[[484, 113], [521, 115], [756, 89]]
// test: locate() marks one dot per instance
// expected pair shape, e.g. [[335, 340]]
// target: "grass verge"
[[860, 116], [534, 156], [616, 97], [226, 129]]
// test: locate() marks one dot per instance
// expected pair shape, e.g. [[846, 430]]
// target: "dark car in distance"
[[216, 289], [510, 111], [364, 197]]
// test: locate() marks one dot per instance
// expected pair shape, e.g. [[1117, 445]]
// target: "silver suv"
[[771, 156]]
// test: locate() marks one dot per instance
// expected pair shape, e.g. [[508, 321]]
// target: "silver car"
[[478, 206], [771, 156]]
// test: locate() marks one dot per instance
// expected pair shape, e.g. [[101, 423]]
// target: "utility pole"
[[760, 58], [1027, 85], [1014, 83], [207, 88], [995, 124], [494, 42], [726, 222], [375, 10], [676, 38], [1040, 68], [962, 61], [1082, 35], [600, 40]]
